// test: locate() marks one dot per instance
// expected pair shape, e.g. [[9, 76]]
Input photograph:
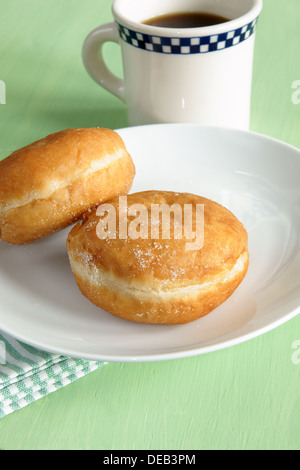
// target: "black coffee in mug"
[[186, 20]]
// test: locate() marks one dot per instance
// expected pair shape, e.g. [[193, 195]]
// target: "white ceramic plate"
[[256, 177]]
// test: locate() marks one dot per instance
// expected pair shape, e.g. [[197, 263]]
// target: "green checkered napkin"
[[27, 374]]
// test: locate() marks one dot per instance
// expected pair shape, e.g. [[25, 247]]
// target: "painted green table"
[[238, 398]]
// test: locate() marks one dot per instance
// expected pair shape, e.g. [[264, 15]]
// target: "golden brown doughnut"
[[159, 280], [51, 183]]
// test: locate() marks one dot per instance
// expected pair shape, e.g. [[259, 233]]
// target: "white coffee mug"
[[198, 75]]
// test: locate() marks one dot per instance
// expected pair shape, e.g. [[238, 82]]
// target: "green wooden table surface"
[[244, 397]]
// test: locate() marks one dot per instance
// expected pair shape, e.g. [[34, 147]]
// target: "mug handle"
[[93, 60]]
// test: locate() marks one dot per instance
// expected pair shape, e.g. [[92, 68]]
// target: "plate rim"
[[218, 346]]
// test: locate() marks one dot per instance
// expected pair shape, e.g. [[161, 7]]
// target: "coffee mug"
[[196, 75]]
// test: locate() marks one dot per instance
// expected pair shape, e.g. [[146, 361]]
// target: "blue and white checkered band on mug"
[[192, 45]]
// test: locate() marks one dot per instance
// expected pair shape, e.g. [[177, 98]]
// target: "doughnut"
[[142, 268], [49, 184]]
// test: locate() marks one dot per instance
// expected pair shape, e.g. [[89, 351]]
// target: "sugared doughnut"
[[155, 279], [51, 183]]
